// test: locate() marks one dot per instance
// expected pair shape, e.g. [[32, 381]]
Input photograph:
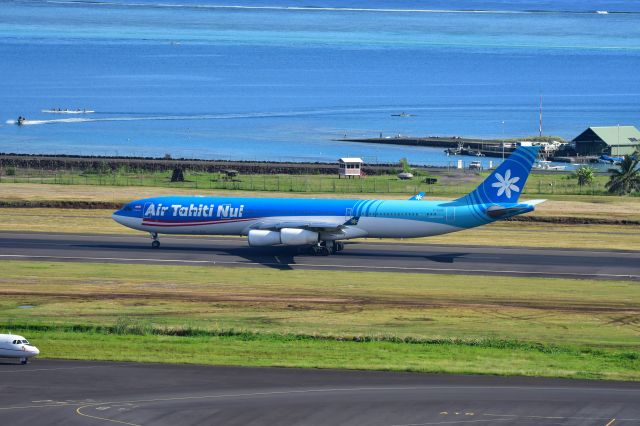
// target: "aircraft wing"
[[325, 226]]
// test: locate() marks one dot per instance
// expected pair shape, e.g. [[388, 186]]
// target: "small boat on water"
[[546, 165], [455, 151], [68, 111], [403, 114], [469, 151], [21, 120], [607, 159]]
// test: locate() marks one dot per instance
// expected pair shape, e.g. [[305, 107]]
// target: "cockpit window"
[[128, 208], [26, 342]]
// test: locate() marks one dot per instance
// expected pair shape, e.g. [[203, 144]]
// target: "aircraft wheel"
[[324, 251], [339, 246], [155, 244], [23, 361]]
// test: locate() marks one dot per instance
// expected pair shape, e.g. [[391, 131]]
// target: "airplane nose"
[[34, 350], [117, 217]]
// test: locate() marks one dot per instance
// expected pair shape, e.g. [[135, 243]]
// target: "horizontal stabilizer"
[[504, 210], [534, 202]]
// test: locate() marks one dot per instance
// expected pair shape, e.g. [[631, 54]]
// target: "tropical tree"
[[625, 179], [585, 175], [404, 165]]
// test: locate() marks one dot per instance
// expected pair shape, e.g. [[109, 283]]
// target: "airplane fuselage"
[[321, 222], [237, 216]]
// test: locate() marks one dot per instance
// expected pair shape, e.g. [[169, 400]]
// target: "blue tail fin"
[[505, 184]]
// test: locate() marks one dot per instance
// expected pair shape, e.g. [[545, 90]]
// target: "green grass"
[[501, 358], [455, 183], [326, 319]]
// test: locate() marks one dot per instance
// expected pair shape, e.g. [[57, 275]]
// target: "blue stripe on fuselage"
[[211, 209]]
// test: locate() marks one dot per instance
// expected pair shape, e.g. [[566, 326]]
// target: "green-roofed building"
[[615, 141]]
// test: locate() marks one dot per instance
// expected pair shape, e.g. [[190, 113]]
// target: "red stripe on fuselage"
[[169, 223]]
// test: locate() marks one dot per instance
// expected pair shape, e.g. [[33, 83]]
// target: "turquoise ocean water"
[[274, 80]]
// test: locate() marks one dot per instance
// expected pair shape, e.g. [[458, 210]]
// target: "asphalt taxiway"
[[50, 392], [360, 256]]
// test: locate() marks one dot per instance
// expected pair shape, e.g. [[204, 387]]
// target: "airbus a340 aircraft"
[[322, 224]]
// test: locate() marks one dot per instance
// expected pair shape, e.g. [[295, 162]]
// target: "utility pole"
[[540, 125], [502, 140]]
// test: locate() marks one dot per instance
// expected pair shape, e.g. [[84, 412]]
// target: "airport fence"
[[444, 184]]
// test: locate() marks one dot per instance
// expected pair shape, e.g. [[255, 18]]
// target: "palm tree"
[[625, 179], [585, 175]]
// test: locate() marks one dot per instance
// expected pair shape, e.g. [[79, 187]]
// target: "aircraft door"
[[451, 214], [348, 214]]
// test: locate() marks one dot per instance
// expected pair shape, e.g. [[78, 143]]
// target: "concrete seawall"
[[486, 147]]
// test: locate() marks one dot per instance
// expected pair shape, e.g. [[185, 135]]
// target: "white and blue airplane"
[[322, 224], [14, 346]]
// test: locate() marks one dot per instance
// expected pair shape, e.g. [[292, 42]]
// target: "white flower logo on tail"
[[506, 183]]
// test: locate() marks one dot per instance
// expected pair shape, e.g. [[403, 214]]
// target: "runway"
[[50, 392], [358, 256]]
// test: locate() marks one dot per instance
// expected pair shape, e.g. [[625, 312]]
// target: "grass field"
[[605, 207], [452, 183], [436, 323]]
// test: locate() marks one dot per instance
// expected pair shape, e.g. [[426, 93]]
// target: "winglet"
[[417, 197]]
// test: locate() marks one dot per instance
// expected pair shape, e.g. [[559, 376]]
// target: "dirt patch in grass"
[[630, 310]]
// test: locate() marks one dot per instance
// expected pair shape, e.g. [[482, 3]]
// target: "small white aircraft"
[[14, 346]]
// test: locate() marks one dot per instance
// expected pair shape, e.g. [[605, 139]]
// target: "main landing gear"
[[325, 248], [156, 242]]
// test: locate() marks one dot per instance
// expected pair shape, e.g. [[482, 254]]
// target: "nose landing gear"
[[155, 243]]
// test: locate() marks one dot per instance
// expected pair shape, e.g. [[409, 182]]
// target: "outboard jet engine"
[[286, 236]]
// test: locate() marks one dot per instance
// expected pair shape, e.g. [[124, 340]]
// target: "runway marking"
[[514, 416], [102, 418], [51, 369], [336, 390], [335, 266], [371, 243], [448, 422]]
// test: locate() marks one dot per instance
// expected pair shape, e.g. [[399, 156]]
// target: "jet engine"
[[297, 237], [259, 237], [286, 236]]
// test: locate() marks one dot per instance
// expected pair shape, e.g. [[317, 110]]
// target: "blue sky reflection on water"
[[260, 81]]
